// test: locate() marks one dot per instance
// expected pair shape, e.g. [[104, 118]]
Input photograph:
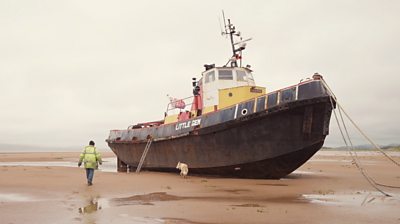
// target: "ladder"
[[146, 149]]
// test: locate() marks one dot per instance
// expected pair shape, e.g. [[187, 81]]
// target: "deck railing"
[[175, 106], [305, 90]]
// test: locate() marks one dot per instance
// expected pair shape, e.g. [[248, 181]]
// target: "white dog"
[[183, 168]]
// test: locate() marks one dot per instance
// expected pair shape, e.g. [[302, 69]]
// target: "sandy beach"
[[327, 189]]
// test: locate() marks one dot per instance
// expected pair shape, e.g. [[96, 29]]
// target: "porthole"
[[244, 111], [230, 94]]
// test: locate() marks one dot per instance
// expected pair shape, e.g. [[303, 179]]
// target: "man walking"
[[90, 158]]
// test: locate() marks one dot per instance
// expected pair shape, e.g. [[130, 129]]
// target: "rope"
[[373, 143], [371, 181], [385, 185], [354, 157], [358, 128], [357, 162]]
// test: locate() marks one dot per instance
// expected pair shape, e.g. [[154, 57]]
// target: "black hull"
[[267, 144], [273, 168]]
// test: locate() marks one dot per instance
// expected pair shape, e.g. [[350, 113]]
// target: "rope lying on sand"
[[351, 150]]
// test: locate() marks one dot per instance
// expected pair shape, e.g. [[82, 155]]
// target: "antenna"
[[237, 47], [220, 26], [223, 16], [242, 41]]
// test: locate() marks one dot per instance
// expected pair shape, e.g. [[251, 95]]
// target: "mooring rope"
[[376, 146], [356, 126], [354, 157], [351, 150]]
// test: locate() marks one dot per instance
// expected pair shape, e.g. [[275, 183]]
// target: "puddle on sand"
[[149, 199], [180, 221], [331, 160], [126, 218], [248, 205], [146, 199], [360, 153], [15, 198], [275, 185], [356, 199], [146, 220], [109, 164], [234, 191], [302, 172], [94, 205]]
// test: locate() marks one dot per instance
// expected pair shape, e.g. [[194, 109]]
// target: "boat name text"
[[187, 124]]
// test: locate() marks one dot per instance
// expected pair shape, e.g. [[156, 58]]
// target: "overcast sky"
[[72, 70]]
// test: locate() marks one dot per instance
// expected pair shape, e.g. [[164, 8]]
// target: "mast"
[[231, 28], [236, 52]]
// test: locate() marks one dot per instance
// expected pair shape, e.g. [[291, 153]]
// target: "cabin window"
[[225, 74], [260, 104], [210, 77], [288, 95], [310, 90], [241, 75], [272, 99], [250, 76]]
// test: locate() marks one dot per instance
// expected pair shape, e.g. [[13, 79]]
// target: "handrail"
[[170, 107], [302, 82]]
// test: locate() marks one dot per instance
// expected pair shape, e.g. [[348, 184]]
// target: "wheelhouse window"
[[272, 99], [210, 77], [225, 75], [288, 95], [250, 76], [241, 75]]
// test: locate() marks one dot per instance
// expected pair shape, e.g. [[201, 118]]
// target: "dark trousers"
[[89, 175]]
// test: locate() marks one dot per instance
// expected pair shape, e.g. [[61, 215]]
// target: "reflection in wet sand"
[[93, 206]]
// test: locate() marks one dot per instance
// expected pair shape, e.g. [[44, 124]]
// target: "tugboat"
[[231, 127]]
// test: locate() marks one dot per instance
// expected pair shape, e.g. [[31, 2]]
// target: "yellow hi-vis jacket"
[[90, 157]]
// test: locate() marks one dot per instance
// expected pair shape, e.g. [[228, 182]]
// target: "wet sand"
[[327, 189]]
